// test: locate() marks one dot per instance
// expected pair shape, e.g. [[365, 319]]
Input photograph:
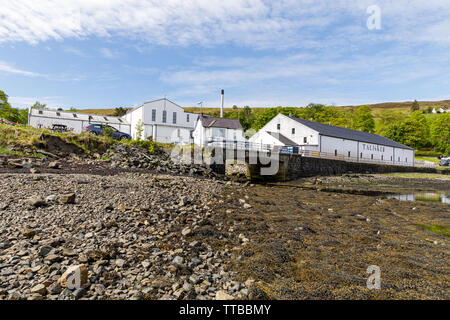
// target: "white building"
[[336, 141], [162, 120], [209, 128], [74, 121]]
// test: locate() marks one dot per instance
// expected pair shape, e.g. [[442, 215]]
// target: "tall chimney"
[[221, 100]]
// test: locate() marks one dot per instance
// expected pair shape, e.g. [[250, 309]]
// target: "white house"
[[73, 120], [210, 128], [309, 135], [162, 120]]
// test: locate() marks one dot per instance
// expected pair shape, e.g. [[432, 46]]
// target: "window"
[[154, 115], [278, 126], [293, 130], [174, 119], [305, 140], [40, 112], [371, 156], [58, 114], [74, 115], [382, 157], [164, 116], [398, 159], [187, 118], [335, 152], [349, 154], [360, 155], [406, 159], [391, 158], [178, 133]]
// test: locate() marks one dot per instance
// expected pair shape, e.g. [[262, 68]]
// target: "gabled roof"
[[282, 139], [208, 121], [162, 99], [64, 115], [338, 132]]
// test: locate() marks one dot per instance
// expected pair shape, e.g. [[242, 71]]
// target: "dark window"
[[398, 159], [371, 156], [278, 126], [293, 130], [174, 120], [187, 118], [391, 158], [75, 115], [360, 155], [335, 152], [406, 159], [305, 139], [58, 114], [40, 112], [349, 154], [154, 115], [382, 157], [164, 117]]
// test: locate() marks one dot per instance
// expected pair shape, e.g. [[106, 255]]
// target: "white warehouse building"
[[161, 119], [336, 141], [208, 129]]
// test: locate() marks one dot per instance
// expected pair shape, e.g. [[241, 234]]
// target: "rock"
[[34, 171], [40, 289], [36, 201], [52, 258], [44, 250], [67, 198], [51, 198], [120, 263], [69, 252], [247, 206], [79, 271], [54, 165], [178, 261], [28, 233], [186, 231], [222, 295]]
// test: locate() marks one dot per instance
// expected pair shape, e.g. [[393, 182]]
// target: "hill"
[[376, 109]]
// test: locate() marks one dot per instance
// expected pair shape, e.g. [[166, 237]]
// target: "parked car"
[[445, 162], [99, 130]]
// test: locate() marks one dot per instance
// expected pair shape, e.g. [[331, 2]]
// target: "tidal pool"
[[422, 196]]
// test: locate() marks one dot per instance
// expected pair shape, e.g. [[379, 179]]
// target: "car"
[[99, 130], [445, 162]]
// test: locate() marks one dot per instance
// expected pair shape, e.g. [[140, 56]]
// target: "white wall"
[[286, 125], [202, 135]]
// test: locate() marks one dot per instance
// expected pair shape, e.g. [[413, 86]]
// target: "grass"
[[436, 229], [430, 159], [6, 151], [417, 175]]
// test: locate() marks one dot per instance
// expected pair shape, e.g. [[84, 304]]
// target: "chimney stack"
[[221, 100]]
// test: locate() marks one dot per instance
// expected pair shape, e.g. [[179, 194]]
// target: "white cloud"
[[108, 53], [25, 102], [256, 23], [7, 68]]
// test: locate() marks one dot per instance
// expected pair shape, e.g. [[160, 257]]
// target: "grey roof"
[[208, 121], [338, 132], [282, 139]]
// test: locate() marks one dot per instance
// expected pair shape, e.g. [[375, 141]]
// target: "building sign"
[[373, 147]]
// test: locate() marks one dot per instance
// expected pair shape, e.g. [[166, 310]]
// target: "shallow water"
[[422, 196]]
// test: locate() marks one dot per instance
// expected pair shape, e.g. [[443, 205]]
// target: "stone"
[[178, 260], [51, 198], [120, 263], [67, 198], [222, 295], [186, 231], [54, 165], [40, 289], [68, 252], [36, 201], [28, 233], [247, 206], [78, 270], [44, 250]]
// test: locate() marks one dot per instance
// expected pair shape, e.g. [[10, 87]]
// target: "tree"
[[440, 133], [415, 106], [413, 131], [39, 106], [120, 111], [363, 119], [139, 130]]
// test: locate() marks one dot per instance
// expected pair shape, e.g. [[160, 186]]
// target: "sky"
[[105, 54]]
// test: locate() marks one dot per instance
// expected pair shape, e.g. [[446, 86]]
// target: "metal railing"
[[246, 145]]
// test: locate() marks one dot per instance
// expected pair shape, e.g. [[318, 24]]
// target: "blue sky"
[[98, 54]]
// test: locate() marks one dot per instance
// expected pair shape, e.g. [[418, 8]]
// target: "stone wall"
[[295, 166]]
